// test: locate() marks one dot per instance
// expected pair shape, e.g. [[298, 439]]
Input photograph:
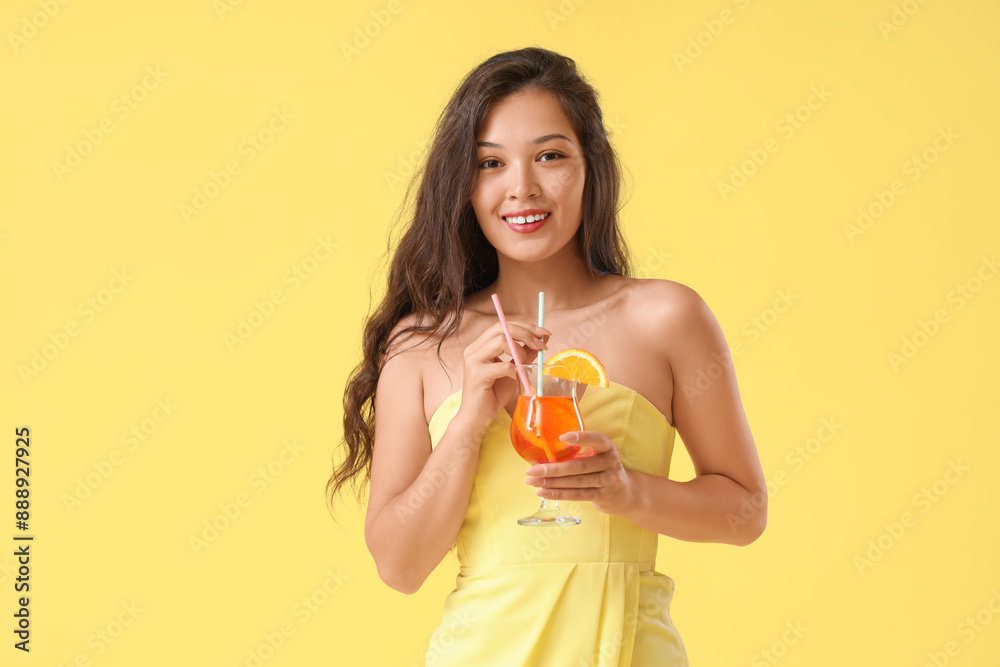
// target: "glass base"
[[549, 514]]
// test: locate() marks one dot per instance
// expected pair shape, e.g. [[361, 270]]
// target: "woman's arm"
[[418, 498], [727, 500]]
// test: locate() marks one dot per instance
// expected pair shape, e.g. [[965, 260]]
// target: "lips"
[[520, 224]]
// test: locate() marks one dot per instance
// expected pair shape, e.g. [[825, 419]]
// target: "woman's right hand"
[[488, 384]]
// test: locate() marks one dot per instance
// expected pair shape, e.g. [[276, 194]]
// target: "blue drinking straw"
[[541, 319]]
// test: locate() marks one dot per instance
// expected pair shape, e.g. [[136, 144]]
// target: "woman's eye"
[[489, 164], [554, 156]]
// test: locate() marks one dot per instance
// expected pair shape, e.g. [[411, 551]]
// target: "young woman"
[[427, 412]]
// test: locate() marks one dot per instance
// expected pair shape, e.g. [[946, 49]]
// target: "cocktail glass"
[[540, 417]]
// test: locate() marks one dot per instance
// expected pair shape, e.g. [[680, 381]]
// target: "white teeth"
[[522, 220]]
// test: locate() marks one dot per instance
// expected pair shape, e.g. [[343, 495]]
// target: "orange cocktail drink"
[[547, 407], [539, 421]]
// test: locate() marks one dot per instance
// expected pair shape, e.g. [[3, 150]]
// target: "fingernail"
[[569, 437]]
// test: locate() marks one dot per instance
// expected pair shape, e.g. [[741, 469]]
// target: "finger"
[[524, 334], [492, 380], [486, 351], [518, 331], [594, 480], [500, 369], [595, 439], [530, 329], [527, 336], [493, 343], [577, 466]]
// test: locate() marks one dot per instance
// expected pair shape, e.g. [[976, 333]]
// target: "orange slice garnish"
[[579, 365]]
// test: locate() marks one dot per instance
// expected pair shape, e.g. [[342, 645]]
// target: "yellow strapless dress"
[[573, 596]]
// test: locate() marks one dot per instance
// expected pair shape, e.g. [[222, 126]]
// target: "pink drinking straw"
[[513, 347]]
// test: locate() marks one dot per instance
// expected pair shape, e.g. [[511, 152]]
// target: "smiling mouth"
[[526, 219]]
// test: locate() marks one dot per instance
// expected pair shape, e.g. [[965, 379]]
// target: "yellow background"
[[334, 172]]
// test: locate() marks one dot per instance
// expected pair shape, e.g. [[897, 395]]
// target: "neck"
[[567, 282]]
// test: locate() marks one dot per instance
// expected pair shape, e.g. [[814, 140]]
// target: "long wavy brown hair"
[[443, 255]]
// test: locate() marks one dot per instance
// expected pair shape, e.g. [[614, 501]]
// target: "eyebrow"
[[490, 144]]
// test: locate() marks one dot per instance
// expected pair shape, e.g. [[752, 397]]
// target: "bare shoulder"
[[686, 329], [433, 357], [407, 338], [404, 353], [667, 303]]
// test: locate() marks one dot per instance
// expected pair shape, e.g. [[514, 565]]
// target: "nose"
[[522, 182]]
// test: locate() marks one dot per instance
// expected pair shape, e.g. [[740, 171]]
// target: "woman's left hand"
[[597, 476]]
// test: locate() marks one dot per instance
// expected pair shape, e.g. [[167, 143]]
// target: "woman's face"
[[530, 164]]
